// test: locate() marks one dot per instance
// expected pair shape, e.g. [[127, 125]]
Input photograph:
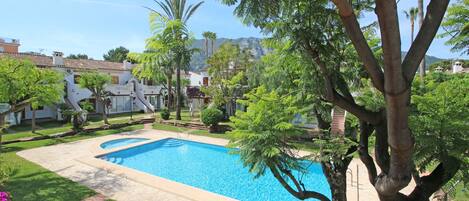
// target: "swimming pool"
[[211, 168], [121, 142]]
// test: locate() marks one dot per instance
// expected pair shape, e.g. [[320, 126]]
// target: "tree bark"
[[2, 124], [336, 175], [33, 121], [104, 112], [178, 92]]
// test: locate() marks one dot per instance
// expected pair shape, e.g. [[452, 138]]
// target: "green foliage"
[[94, 81], [48, 88], [456, 26], [165, 113], [262, 132], [78, 56], [118, 54], [439, 123], [211, 116], [16, 79], [227, 68]]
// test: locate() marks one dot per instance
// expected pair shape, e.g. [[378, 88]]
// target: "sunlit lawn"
[[31, 182]]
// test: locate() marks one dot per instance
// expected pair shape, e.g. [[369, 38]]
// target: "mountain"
[[198, 59], [428, 59]]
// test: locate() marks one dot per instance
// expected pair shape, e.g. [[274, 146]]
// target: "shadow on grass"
[[45, 186]]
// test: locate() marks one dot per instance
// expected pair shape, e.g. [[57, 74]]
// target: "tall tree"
[[176, 10], [394, 145], [206, 36], [47, 90], [213, 38], [411, 14], [96, 82], [118, 54], [156, 62], [456, 26], [421, 15], [19, 81]]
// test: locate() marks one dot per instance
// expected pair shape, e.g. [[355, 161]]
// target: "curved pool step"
[[173, 143]]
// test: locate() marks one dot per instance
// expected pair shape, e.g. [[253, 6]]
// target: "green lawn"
[[166, 127], [54, 127], [31, 182]]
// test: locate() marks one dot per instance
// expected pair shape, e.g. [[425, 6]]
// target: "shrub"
[[5, 172], [211, 116], [165, 113]]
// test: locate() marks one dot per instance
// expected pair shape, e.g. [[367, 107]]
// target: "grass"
[[54, 127], [31, 182], [207, 134], [169, 128]]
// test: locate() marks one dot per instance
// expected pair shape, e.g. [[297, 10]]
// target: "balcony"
[[118, 89], [151, 89]]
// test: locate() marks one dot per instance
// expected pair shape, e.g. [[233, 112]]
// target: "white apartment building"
[[128, 93]]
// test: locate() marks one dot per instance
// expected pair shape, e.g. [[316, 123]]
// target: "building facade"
[[127, 92]]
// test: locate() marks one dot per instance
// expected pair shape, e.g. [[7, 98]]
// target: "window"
[[205, 81], [115, 80]]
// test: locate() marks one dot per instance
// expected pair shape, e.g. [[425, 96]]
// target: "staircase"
[[173, 143], [140, 100], [71, 101], [338, 121]]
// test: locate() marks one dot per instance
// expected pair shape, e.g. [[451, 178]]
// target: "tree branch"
[[332, 96], [365, 132], [355, 33], [435, 13], [434, 181], [300, 195]]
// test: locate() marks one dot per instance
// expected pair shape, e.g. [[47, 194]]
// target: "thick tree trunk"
[[337, 179], [104, 113], [178, 92], [33, 121]]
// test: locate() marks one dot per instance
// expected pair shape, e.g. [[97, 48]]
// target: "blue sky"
[[95, 26]]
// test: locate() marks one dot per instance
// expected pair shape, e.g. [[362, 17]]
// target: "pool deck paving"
[[78, 162]]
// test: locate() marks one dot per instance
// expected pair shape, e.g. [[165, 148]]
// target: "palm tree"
[[206, 36], [411, 14], [213, 38], [420, 14], [176, 10]]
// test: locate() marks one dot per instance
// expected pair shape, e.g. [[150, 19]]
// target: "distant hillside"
[[428, 59], [198, 59]]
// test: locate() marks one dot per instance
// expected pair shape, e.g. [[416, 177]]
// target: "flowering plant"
[[4, 196]]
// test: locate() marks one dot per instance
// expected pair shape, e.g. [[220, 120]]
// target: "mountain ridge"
[[198, 61]]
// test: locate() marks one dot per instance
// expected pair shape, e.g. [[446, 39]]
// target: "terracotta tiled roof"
[[84, 64]]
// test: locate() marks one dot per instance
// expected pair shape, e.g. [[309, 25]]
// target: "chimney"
[[57, 59]]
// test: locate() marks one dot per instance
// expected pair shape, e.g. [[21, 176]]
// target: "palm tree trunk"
[[422, 63], [206, 47], [213, 41], [33, 121], [170, 91], [412, 30], [178, 92]]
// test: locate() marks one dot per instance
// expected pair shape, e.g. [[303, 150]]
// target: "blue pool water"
[[121, 142], [211, 168]]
